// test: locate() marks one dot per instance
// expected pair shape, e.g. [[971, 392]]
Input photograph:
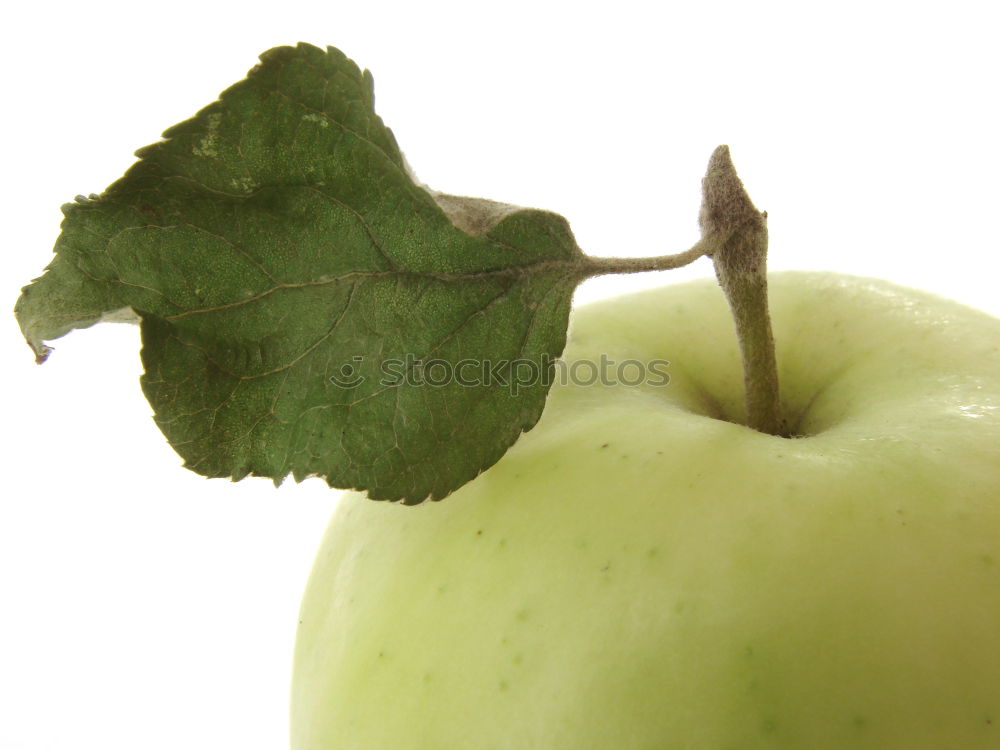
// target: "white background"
[[145, 607]]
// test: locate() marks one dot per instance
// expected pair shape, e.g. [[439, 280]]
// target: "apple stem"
[[737, 233], [734, 236]]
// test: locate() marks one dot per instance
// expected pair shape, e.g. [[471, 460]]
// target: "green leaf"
[[277, 252]]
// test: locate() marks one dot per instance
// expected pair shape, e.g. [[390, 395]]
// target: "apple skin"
[[638, 572]]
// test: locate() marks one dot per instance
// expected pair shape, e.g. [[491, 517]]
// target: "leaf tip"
[[41, 351]]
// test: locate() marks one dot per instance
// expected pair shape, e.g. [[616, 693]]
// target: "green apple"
[[643, 571]]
